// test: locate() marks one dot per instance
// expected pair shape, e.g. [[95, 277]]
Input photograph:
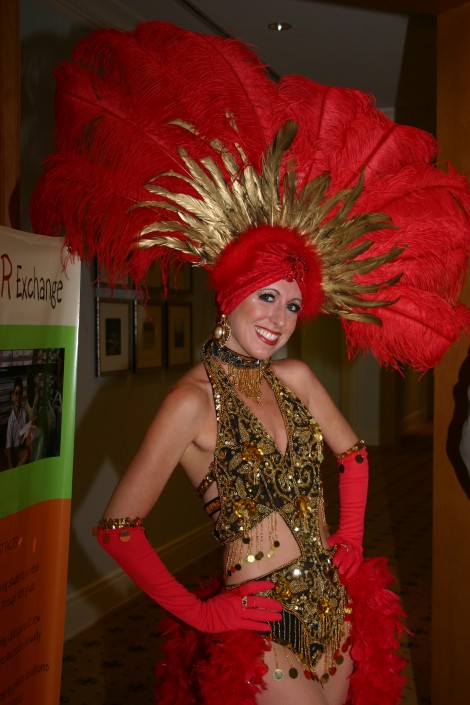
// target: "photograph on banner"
[[31, 388]]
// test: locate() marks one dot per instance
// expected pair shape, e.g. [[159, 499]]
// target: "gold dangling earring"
[[222, 331]]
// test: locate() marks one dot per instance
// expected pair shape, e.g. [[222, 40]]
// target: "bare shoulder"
[[191, 394], [183, 414], [298, 376], [190, 407]]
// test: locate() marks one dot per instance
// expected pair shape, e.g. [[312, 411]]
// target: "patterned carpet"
[[112, 662]]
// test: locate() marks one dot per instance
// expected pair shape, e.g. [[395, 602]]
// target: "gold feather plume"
[[226, 207]]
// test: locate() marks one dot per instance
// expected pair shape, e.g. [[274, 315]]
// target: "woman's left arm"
[[353, 469]]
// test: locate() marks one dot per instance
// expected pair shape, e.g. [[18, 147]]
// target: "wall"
[[451, 509], [321, 347]]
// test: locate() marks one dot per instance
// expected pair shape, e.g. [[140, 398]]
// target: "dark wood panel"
[[9, 113], [451, 518]]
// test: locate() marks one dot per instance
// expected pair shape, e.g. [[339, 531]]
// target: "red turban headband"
[[264, 255]]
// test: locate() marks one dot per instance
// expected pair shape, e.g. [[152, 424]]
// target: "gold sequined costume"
[[256, 481]]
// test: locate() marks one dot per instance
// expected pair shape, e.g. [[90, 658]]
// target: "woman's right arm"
[[177, 430]]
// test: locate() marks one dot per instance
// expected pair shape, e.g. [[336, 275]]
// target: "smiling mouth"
[[268, 336]]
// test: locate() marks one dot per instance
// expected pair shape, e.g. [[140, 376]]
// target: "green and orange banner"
[[39, 306]]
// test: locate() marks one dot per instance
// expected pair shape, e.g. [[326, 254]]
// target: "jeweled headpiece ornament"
[[178, 146]]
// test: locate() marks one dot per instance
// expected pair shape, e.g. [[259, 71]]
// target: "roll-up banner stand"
[[39, 307]]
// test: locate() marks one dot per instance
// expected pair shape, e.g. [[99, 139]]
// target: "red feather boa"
[[377, 625], [197, 668]]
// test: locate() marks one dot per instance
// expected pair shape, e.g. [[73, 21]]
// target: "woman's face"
[[263, 322], [17, 398]]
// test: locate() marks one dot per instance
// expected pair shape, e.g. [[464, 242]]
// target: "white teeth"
[[266, 334]]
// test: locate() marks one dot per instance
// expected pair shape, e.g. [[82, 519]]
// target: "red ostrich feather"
[[120, 104]]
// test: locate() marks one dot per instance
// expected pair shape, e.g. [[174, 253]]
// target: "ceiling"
[[330, 42]]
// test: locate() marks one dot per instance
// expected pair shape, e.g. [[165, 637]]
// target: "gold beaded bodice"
[[255, 480]]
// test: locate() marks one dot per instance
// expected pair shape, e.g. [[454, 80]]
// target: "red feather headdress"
[[175, 146]]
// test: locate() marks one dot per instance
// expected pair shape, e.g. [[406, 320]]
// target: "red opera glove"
[[240, 608], [353, 481]]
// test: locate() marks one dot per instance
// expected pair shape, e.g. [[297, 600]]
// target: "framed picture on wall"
[[148, 336], [178, 334], [113, 336]]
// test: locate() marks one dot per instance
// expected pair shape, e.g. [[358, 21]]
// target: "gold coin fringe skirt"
[[199, 669]]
